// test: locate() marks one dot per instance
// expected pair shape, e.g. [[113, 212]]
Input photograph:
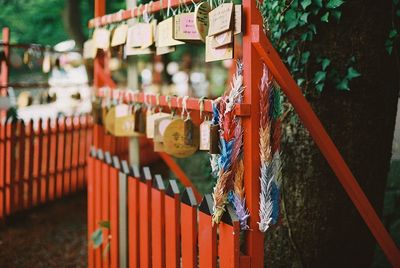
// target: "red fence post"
[[46, 163], [207, 234], [158, 222], [91, 201], [97, 201], [20, 165], [10, 166], [189, 228], [145, 219], [123, 214], [133, 218], [31, 155], [229, 244], [52, 161], [2, 166], [172, 226], [114, 172], [4, 63], [60, 156], [105, 196]]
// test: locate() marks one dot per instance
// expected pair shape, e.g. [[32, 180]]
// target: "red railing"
[[41, 161], [152, 224]]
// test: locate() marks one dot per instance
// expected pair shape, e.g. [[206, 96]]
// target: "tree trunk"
[[72, 21], [320, 225]]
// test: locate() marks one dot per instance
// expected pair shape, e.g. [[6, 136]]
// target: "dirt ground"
[[53, 235]]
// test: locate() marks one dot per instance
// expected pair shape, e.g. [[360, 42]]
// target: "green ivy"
[[393, 35], [291, 26]]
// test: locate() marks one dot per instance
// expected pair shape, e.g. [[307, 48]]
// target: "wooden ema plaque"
[[125, 126], [110, 121], [89, 49], [174, 139], [184, 27], [201, 19], [160, 125], [220, 19], [101, 38], [165, 37], [120, 35], [215, 54]]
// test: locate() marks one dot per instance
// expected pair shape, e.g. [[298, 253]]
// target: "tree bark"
[[72, 21], [320, 225]]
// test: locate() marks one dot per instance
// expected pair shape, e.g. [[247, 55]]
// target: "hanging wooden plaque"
[[119, 36], [205, 135], [201, 19], [110, 121], [214, 139], [215, 54], [160, 125], [164, 50], [121, 110], [142, 122], [165, 30], [158, 146], [237, 20], [184, 27], [101, 38], [130, 51], [222, 39], [97, 111], [125, 126], [174, 139], [150, 123], [89, 49], [220, 19]]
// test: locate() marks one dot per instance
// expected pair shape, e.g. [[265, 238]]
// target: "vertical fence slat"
[[88, 138], [207, 234], [46, 168], [60, 156], [189, 228], [123, 215], [39, 160], [2, 166], [105, 196], [145, 219], [133, 218], [158, 222], [172, 227], [229, 243], [90, 201], [97, 202], [10, 166], [74, 153], [52, 161], [19, 164], [114, 211], [68, 156], [31, 155]]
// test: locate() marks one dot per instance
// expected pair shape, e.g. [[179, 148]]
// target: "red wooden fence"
[[42, 161], [152, 224]]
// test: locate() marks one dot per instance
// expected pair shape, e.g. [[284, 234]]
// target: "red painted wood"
[[105, 207], [133, 221], [229, 244], [20, 158], [10, 167], [251, 78], [207, 241], [158, 227], [82, 152], [97, 206], [60, 157], [46, 162], [2, 167], [172, 231], [90, 210], [99, 10], [189, 235], [74, 153], [114, 216], [52, 164], [145, 223], [3, 64], [269, 55], [31, 155], [68, 156]]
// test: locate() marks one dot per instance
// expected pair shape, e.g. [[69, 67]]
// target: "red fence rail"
[[153, 224], [42, 161]]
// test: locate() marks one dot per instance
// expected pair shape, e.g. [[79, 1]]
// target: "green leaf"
[[304, 17], [318, 3], [305, 3], [313, 28], [300, 81], [395, 2], [304, 57], [352, 73], [291, 19], [325, 63], [334, 4], [343, 85], [336, 14], [325, 17], [319, 87], [392, 33], [319, 77], [97, 238], [389, 46], [104, 224], [106, 250], [398, 13]]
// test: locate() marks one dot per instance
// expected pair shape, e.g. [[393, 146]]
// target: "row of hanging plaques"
[[214, 27], [173, 134]]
